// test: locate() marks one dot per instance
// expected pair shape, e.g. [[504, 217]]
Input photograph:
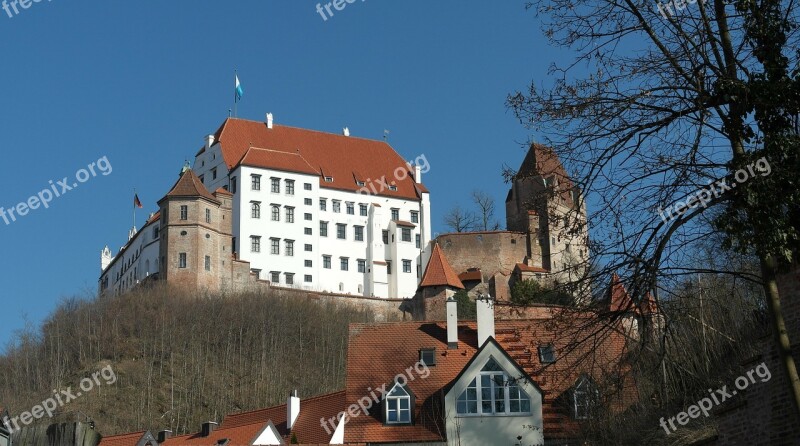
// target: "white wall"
[[139, 260]]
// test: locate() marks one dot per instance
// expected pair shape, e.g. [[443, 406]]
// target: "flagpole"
[[134, 208], [235, 76]]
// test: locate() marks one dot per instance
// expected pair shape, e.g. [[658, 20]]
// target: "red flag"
[[136, 202]]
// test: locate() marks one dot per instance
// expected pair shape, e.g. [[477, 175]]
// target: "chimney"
[[269, 120], [209, 141], [418, 174], [485, 306], [346, 131], [292, 409], [208, 428], [164, 435], [452, 323]]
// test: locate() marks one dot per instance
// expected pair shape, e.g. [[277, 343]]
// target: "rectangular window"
[[308, 248], [208, 263], [182, 260], [341, 231], [414, 217], [289, 214], [326, 262], [289, 279], [184, 212], [362, 265], [289, 187], [255, 243], [362, 208], [547, 354], [307, 216], [337, 206], [276, 212], [289, 248], [306, 186], [208, 215], [418, 240], [307, 231], [307, 278], [275, 246], [406, 266], [214, 173], [255, 209], [385, 237], [255, 182], [351, 208], [405, 234], [359, 233], [344, 263], [329, 179], [233, 185], [323, 229], [308, 202], [395, 214], [309, 263], [388, 267], [202, 179], [275, 277], [323, 204], [427, 356], [276, 185]]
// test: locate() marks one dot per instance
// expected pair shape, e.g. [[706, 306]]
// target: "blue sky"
[[143, 82]]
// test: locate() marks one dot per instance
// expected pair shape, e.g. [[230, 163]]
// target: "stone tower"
[[196, 235]]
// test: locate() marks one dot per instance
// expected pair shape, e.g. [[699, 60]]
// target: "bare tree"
[[687, 137], [459, 220], [486, 208]]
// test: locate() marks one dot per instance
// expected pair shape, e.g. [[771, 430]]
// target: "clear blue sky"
[[142, 82]]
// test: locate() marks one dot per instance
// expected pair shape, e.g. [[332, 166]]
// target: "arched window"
[[493, 392], [584, 398]]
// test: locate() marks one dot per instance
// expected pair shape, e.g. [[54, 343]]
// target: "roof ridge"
[[310, 130]]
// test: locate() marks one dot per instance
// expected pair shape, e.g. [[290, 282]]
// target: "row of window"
[[275, 277], [275, 185], [274, 246], [185, 214], [183, 262], [275, 214]]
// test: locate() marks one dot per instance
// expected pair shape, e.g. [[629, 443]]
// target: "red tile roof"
[[471, 275], [543, 161], [378, 352], [278, 160], [189, 185], [531, 269], [122, 440], [344, 158], [438, 272], [243, 428], [405, 223], [222, 191]]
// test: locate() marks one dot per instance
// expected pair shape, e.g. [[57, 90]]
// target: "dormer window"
[[547, 354], [393, 188], [427, 356], [398, 405], [493, 392], [329, 179], [361, 183], [584, 398]]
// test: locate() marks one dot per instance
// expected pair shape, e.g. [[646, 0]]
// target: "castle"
[[334, 213]]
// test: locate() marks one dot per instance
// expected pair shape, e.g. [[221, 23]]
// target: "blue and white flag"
[[239, 91]]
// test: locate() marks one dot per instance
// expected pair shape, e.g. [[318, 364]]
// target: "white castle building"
[[306, 209]]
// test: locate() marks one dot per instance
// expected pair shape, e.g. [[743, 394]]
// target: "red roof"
[[122, 440], [375, 357], [405, 223], [543, 161], [243, 428], [344, 158], [531, 269], [189, 185], [276, 159], [470, 275], [439, 272]]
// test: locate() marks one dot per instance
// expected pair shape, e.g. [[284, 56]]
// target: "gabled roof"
[[243, 428], [132, 439], [542, 161], [344, 158], [189, 185], [278, 160], [438, 272], [378, 352]]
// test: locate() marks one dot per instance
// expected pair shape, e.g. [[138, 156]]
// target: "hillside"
[[169, 360]]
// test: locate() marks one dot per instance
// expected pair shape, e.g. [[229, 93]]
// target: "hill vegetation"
[[179, 359]]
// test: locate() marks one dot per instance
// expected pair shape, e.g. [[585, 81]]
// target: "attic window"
[[427, 356], [398, 406], [329, 179], [393, 188], [547, 354], [360, 183]]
